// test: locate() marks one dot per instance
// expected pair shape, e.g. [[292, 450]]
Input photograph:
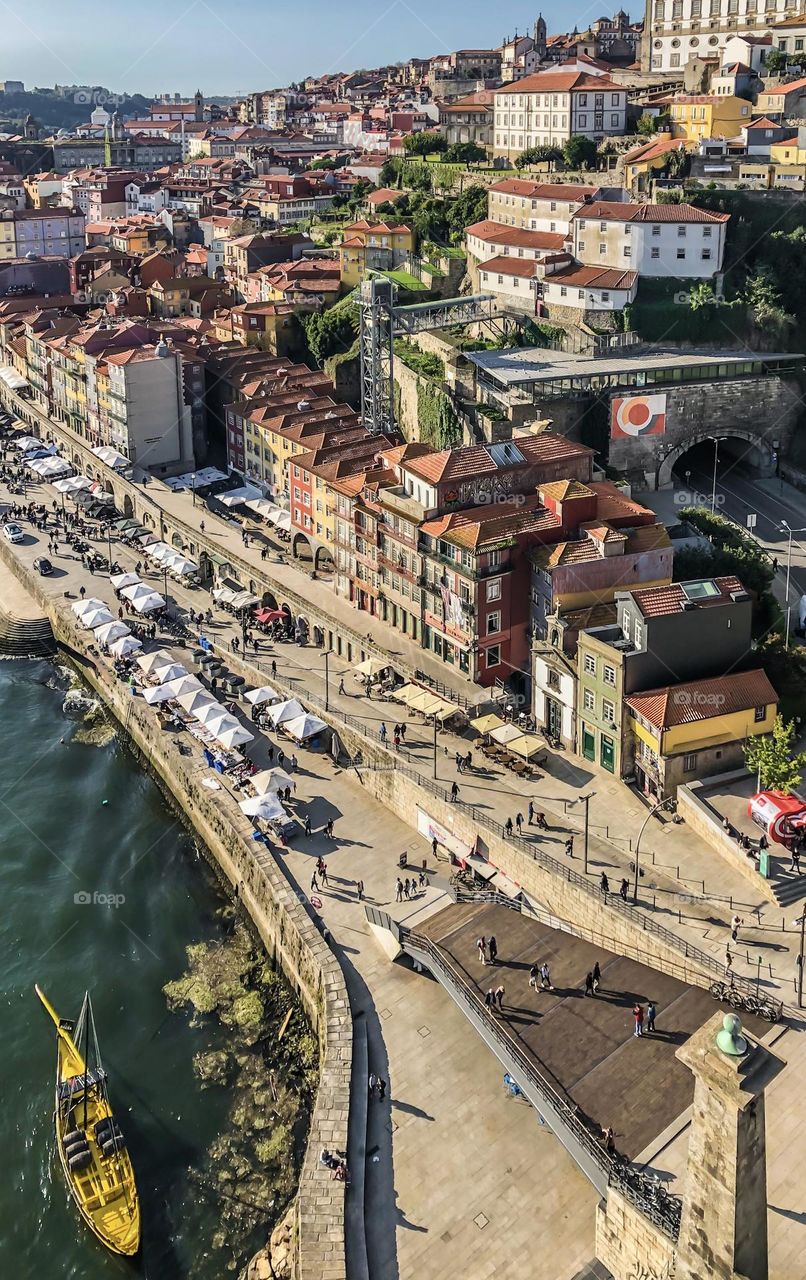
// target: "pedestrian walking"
[[454, 792], [341, 686], [589, 984], [273, 669], [481, 943], [597, 977], [82, 591], [569, 847], [650, 1017], [359, 888], [434, 846], [734, 927], [492, 947], [323, 871], [519, 822], [604, 884], [508, 826], [270, 752], [534, 974], [399, 890], [280, 757], [403, 732], [499, 995], [624, 889], [795, 863], [530, 813], [422, 880], [638, 1018], [406, 888], [545, 977], [292, 764], [728, 961], [489, 999], [314, 883], [382, 732], [396, 740], [307, 824]]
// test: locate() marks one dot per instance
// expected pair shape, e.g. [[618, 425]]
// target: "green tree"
[[786, 669], [538, 155], [389, 175], [764, 301], [773, 759], [701, 295], [425, 143], [330, 332], [645, 125], [468, 208], [579, 152], [465, 153], [775, 62]]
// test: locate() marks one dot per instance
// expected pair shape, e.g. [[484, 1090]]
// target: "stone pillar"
[[723, 1231]]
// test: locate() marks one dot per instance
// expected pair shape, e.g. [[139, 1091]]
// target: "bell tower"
[[540, 37]]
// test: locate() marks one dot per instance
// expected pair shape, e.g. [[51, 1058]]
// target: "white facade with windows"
[[653, 240], [679, 30], [548, 108]]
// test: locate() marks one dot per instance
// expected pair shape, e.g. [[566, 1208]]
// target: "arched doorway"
[[128, 506], [301, 548], [691, 465], [323, 560], [269, 600]]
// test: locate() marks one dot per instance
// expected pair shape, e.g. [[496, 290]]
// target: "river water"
[[79, 820]]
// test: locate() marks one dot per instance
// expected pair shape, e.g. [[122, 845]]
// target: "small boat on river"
[[91, 1146]]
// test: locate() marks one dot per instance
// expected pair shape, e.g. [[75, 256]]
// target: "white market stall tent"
[[304, 727]]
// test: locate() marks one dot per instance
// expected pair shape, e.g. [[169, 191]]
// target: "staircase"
[[788, 887], [25, 637]]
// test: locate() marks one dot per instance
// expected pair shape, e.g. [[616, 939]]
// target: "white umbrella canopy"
[[159, 551], [232, 735], [124, 646], [162, 693], [304, 726], [96, 618], [288, 710], [370, 667], [270, 780], [209, 714], [86, 606], [266, 807], [136, 590], [507, 733], [182, 568], [264, 694], [149, 603], [121, 580], [149, 661], [112, 631], [184, 684], [194, 700], [169, 671]]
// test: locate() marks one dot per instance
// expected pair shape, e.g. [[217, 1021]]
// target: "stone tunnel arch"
[[302, 547], [755, 451]]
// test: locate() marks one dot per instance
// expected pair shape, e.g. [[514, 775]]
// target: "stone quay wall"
[[285, 928]]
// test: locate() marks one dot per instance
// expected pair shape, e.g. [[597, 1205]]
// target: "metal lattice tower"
[[382, 322]]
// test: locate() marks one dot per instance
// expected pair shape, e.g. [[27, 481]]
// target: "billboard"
[[638, 416]]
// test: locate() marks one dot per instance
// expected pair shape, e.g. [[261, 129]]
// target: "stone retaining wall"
[[629, 1245], [705, 821], [286, 929]]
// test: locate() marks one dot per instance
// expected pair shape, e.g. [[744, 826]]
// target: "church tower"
[[540, 37], [198, 103]]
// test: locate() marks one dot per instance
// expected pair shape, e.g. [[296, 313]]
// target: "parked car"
[[13, 532], [43, 566]]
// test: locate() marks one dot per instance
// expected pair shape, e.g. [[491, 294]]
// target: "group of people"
[[409, 887]]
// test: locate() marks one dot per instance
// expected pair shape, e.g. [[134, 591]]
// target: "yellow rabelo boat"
[[92, 1149]]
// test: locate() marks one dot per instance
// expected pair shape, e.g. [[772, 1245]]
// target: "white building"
[[137, 402], [555, 284], [492, 239], [538, 206], [677, 30], [548, 108], [672, 240]]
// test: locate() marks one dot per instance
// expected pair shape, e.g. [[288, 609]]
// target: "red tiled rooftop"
[[698, 700]]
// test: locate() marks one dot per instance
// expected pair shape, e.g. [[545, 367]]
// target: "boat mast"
[[86, 1052]]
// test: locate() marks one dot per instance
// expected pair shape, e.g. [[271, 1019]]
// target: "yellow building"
[[650, 160], [268, 326], [789, 160], [373, 246], [699, 115], [688, 731]]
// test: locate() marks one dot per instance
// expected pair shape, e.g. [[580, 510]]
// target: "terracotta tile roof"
[[543, 190], [657, 602], [580, 277], [498, 233], [613, 504], [698, 700], [482, 98], [562, 490], [606, 211], [559, 82], [524, 268], [781, 91], [390, 227], [479, 526], [763, 122], [475, 460], [651, 150]]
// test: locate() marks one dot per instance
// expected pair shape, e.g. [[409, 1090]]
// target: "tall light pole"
[[193, 487], [662, 804], [713, 487], [802, 922], [586, 799], [435, 746], [327, 679], [789, 532]]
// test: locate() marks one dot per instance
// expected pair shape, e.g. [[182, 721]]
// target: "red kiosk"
[[781, 817]]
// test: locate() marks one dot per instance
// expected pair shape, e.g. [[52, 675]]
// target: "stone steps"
[[789, 889], [25, 637]]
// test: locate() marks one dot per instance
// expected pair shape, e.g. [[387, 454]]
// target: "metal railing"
[[664, 1210]]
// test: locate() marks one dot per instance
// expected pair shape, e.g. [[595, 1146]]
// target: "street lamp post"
[[789, 533], [435, 746], [713, 487], [662, 804], [586, 799], [193, 486], [327, 679], [802, 922]]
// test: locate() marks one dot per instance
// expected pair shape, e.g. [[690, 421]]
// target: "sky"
[[233, 46]]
